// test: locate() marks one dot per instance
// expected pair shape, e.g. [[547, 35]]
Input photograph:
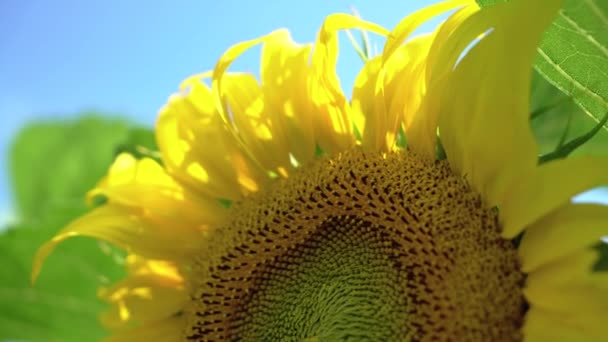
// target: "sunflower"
[[415, 211]]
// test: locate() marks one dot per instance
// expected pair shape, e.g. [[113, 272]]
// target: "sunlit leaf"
[[573, 54], [51, 163], [557, 120], [62, 305]]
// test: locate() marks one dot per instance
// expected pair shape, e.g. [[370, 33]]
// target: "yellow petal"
[[200, 150], [139, 266], [405, 87], [550, 186], [227, 58], [128, 230], [573, 269], [386, 97], [285, 75], [167, 330], [566, 230], [258, 114], [142, 298], [145, 185], [484, 109], [332, 112], [544, 325], [369, 112], [436, 59], [573, 299], [569, 285], [410, 23], [428, 78], [261, 135]]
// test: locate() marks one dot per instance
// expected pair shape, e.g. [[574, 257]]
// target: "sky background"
[[58, 58]]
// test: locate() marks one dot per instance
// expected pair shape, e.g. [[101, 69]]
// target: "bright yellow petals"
[[421, 115], [550, 186], [127, 229], [259, 133], [570, 228], [144, 184], [410, 23], [140, 266], [385, 97], [368, 112], [445, 51], [152, 292], [442, 38], [568, 289], [224, 63], [285, 76], [264, 120], [573, 270], [333, 118], [545, 325], [391, 93], [199, 148], [484, 123], [404, 89]]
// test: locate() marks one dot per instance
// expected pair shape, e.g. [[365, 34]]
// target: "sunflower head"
[[285, 210]]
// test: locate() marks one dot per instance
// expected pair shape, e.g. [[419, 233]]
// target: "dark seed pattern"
[[359, 247]]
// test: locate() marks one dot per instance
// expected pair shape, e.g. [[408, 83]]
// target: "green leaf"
[[602, 263], [557, 121], [52, 164], [62, 305], [573, 55], [140, 142]]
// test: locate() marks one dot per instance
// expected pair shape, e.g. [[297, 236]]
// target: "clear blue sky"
[[60, 57]]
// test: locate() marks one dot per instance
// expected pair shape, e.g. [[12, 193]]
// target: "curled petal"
[[129, 230], [332, 111], [200, 150], [144, 184]]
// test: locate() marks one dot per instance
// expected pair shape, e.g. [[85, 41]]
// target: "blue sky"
[[64, 56]]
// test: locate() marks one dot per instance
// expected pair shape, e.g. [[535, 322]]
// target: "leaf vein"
[[597, 11], [581, 87], [583, 33]]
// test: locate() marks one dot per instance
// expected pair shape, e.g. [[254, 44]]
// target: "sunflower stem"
[[545, 109], [572, 145], [564, 135]]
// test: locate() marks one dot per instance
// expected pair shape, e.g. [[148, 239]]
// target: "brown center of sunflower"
[[361, 246]]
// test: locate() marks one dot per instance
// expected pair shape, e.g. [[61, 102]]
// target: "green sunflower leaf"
[[62, 305], [559, 123], [573, 55], [53, 163], [602, 262]]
